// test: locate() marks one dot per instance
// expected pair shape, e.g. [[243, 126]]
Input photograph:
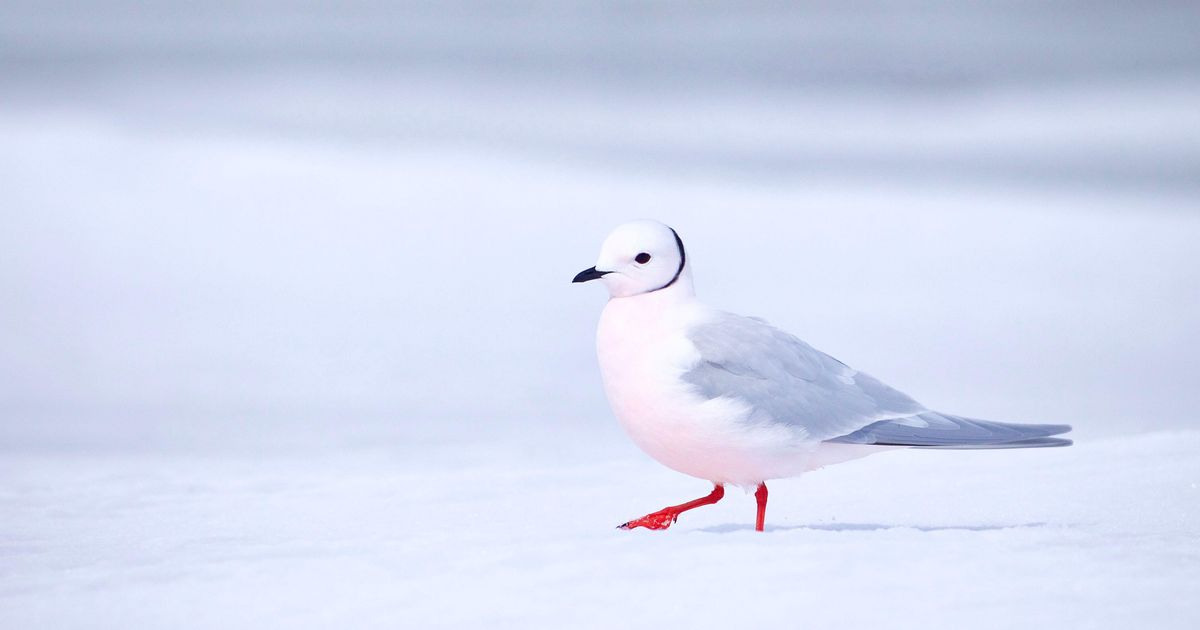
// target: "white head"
[[639, 257]]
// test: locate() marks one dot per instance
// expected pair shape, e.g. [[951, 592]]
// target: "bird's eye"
[[642, 258]]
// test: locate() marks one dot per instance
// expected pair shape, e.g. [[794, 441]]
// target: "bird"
[[736, 401]]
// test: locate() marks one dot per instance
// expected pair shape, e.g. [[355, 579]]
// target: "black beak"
[[589, 274]]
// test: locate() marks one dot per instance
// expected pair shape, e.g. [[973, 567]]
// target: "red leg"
[[663, 518], [760, 495]]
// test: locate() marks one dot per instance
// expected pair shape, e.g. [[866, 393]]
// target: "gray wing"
[[931, 429], [787, 381]]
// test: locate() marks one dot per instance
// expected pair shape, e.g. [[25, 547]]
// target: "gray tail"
[[943, 431]]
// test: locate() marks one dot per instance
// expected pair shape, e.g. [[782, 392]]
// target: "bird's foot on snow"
[[661, 519]]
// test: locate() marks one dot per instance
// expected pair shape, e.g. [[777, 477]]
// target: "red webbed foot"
[[661, 519], [665, 517]]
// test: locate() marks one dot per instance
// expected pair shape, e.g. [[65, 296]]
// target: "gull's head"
[[638, 257]]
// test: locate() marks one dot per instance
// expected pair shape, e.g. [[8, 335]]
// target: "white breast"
[[643, 351]]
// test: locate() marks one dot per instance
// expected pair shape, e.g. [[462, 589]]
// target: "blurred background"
[[256, 226]]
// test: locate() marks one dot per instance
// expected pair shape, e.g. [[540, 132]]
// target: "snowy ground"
[[509, 534], [287, 335]]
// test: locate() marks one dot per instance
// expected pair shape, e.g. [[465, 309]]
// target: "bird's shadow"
[[729, 528]]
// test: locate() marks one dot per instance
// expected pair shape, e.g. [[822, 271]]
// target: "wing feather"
[[939, 430], [787, 381]]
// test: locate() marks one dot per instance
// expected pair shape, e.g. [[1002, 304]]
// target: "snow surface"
[[287, 337], [520, 533]]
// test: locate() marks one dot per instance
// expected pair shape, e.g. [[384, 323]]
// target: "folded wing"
[[787, 381]]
